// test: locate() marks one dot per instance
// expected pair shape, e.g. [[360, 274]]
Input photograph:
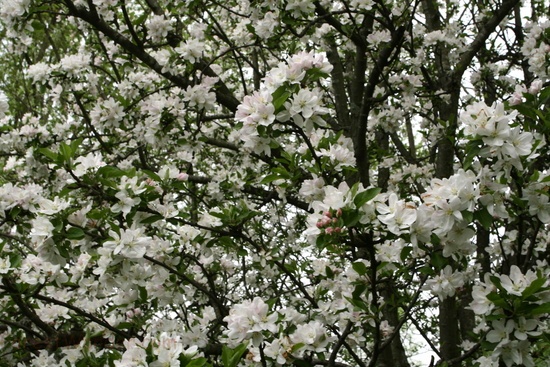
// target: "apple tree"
[[274, 182]]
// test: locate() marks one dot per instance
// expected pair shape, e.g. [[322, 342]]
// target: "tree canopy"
[[274, 182]]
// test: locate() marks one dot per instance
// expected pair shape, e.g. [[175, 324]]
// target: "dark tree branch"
[[329, 19], [456, 361], [257, 191], [338, 345], [85, 314], [479, 42], [339, 86], [18, 325], [221, 310], [26, 310], [223, 95], [155, 7], [130, 25], [402, 149]]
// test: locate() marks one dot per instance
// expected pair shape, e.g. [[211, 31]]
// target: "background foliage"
[[230, 183]]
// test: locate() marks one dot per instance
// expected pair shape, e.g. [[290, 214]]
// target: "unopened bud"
[[535, 87]]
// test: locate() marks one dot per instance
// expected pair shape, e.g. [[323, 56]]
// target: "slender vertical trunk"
[[448, 308], [445, 112], [394, 354]]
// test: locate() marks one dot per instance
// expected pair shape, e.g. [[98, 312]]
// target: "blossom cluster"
[[334, 200], [493, 125], [161, 199], [329, 223], [397, 215], [536, 49], [281, 99], [512, 306], [251, 322]]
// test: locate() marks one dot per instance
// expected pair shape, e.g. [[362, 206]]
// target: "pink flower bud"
[[182, 176], [516, 99], [325, 221], [329, 230], [535, 87]]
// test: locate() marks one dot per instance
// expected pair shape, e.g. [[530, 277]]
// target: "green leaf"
[[484, 218], [315, 74], [351, 217], [75, 233], [270, 178], [360, 268], [496, 281], [232, 357], [499, 301], [63, 247], [363, 197], [75, 144], [358, 291], [322, 241], [152, 175], [544, 94], [544, 308], [283, 173], [110, 171], [151, 219], [290, 266], [280, 96], [226, 242], [48, 154], [358, 304], [535, 176], [57, 224], [526, 111], [329, 272], [533, 288], [526, 308], [438, 261], [14, 212], [199, 362], [66, 152], [405, 252], [38, 26], [15, 260], [143, 294], [472, 150], [494, 297], [467, 216], [296, 346], [125, 325]]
